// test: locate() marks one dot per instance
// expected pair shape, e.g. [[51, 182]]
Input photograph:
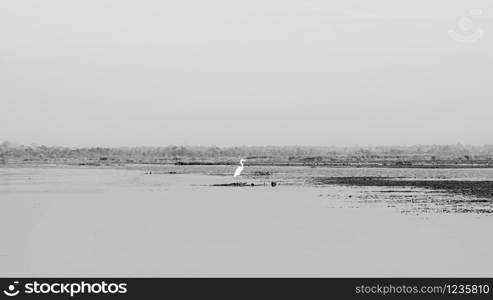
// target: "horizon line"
[[245, 145]]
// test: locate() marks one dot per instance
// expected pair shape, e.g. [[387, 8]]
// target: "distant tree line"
[[13, 152]]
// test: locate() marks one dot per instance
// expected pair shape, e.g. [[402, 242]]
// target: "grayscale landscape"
[[360, 133]]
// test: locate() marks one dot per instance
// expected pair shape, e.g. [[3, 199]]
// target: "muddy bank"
[[241, 184], [234, 184], [482, 189]]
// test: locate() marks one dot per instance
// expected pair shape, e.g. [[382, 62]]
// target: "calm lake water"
[[78, 221]]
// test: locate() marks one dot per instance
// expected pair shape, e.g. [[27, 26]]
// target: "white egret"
[[239, 169]]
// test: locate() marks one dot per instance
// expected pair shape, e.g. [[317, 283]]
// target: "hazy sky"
[[257, 72]]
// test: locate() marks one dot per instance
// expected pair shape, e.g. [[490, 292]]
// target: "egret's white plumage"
[[239, 169]]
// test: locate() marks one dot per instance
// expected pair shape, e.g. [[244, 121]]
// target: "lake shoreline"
[[254, 164]]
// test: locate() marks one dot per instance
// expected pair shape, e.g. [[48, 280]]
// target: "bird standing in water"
[[239, 169]]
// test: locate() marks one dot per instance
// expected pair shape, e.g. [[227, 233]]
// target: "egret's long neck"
[[241, 162]]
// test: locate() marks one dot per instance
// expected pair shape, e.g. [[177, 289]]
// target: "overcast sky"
[[257, 72]]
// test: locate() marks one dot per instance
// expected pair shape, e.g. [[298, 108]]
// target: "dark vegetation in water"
[[150, 172], [262, 173], [238, 184], [416, 202], [481, 189], [419, 156], [243, 184]]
